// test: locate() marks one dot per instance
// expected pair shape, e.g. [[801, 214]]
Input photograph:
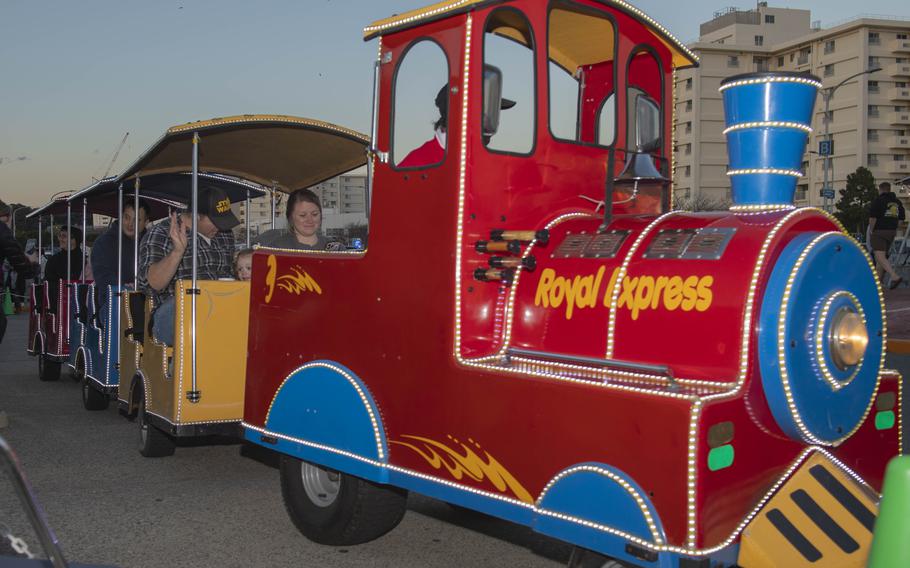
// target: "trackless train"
[[532, 331]]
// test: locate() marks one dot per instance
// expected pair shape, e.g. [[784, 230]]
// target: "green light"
[[884, 420], [720, 457]]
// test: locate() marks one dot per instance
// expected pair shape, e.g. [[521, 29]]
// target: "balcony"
[[899, 118], [898, 69], [899, 94], [899, 167], [900, 46], [898, 142]]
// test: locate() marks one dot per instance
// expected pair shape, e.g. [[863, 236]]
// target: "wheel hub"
[[321, 485]]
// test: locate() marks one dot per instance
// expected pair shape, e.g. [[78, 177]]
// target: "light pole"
[[826, 95], [13, 217]]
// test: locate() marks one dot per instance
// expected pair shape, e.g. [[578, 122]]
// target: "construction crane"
[[114, 158]]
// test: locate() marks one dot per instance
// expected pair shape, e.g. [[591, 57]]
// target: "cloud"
[[16, 159], [22, 158]]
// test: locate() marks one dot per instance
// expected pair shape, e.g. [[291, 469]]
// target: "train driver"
[[165, 255]]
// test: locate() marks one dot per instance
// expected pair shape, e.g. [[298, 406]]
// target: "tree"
[[700, 203], [853, 205]]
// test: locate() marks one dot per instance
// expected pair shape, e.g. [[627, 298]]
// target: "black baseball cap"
[[442, 101], [214, 203]]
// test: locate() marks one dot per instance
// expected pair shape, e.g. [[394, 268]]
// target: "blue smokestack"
[[768, 117]]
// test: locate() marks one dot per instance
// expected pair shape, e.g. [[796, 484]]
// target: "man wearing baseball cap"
[[165, 254]]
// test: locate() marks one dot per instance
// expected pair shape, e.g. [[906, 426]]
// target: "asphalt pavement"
[[208, 505]]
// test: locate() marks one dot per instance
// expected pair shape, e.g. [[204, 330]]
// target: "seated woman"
[[304, 215]]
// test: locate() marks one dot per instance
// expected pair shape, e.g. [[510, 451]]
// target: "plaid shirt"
[[215, 258]]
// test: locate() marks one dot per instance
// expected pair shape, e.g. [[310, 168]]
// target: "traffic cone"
[[891, 541], [8, 308]]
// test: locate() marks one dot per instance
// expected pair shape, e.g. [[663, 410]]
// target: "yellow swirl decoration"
[[466, 462], [295, 282]]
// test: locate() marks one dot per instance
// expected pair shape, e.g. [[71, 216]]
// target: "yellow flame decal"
[[298, 281], [466, 463]]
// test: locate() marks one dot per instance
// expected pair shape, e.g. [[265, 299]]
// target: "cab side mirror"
[[492, 99]]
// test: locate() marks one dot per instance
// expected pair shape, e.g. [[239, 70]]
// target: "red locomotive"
[[661, 387]]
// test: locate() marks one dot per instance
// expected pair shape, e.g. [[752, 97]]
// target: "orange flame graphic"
[[466, 463], [298, 281]]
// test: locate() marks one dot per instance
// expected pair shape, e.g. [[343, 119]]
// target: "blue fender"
[[324, 413], [601, 508]]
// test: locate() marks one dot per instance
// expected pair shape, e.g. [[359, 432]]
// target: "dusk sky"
[[76, 75]]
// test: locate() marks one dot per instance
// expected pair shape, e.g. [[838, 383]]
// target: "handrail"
[[35, 513], [615, 363]]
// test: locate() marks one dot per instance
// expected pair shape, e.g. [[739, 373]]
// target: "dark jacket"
[[11, 251], [104, 258], [887, 210]]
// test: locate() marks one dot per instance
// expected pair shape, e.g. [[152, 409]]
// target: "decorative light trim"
[[192, 423], [692, 476], [772, 79], [462, 182], [782, 354], [311, 252], [763, 208], [623, 270], [769, 124], [251, 119], [777, 171], [835, 383], [639, 500], [360, 392], [454, 4]]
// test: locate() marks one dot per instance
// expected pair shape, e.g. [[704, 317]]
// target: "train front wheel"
[[153, 443], [335, 508]]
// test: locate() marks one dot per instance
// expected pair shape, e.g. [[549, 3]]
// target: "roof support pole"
[[120, 238], [194, 394], [84, 234], [135, 229], [69, 241], [40, 249], [247, 215], [274, 189]]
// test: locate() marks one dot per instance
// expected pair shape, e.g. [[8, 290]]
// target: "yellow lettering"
[[689, 293], [628, 291], [658, 288], [704, 293], [643, 295], [543, 287], [595, 290], [583, 292], [611, 286], [571, 290], [272, 263], [673, 293], [558, 292]]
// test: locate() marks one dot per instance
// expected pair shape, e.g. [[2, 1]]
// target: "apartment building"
[[868, 118]]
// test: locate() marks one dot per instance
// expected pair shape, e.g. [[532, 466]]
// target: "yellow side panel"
[[159, 388], [129, 350], [820, 517], [222, 316]]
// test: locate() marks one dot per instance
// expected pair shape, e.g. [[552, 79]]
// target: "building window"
[[688, 106], [688, 149], [733, 61], [829, 46], [901, 36], [874, 38], [688, 128], [761, 64], [780, 61], [829, 70], [873, 86], [873, 111], [899, 158], [804, 56], [804, 167], [872, 159], [873, 61], [689, 84], [872, 135], [759, 40], [792, 55], [769, 19], [801, 191], [901, 84], [688, 171], [828, 117]]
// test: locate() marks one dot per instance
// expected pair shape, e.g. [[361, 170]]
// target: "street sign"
[[825, 147], [827, 193]]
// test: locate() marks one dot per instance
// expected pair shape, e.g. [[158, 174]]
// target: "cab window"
[[581, 49], [509, 79], [643, 103], [421, 98]]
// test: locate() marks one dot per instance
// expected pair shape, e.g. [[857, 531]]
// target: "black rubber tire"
[[361, 511], [92, 398], [584, 558], [48, 370], [153, 443]]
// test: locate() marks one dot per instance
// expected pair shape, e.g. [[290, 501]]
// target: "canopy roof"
[[682, 56], [56, 206], [160, 191], [284, 152]]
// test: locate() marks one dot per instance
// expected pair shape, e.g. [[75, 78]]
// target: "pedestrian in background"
[[884, 214]]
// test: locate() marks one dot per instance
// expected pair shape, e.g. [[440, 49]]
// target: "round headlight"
[[848, 338]]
